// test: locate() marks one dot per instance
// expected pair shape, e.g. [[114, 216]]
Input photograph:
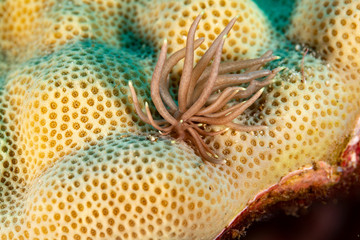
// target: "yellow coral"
[[30, 28], [333, 31], [126, 186], [250, 36], [61, 101], [77, 163], [306, 122]]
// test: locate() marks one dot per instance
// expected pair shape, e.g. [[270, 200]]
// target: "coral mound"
[[333, 32], [60, 101], [76, 162], [129, 187]]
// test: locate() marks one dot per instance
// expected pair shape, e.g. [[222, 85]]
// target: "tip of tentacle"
[[278, 69], [217, 160], [130, 83]]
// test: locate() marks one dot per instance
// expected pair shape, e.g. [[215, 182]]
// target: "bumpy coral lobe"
[[109, 180], [132, 197], [34, 28], [334, 32], [307, 118], [61, 101], [250, 36]]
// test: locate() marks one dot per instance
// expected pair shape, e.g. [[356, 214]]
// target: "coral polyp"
[[204, 92]]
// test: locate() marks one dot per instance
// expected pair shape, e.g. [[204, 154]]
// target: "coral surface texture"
[[76, 160]]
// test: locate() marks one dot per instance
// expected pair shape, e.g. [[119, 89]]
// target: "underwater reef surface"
[[76, 161]]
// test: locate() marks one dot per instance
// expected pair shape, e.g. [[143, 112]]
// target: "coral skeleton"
[[204, 92]]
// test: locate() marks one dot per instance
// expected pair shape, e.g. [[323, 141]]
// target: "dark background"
[[333, 220]]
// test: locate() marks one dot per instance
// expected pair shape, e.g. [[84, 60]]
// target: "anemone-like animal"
[[204, 92]]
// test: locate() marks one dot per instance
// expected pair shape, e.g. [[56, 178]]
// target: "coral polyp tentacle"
[[204, 92], [208, 55], [188, 66], [164, 83]]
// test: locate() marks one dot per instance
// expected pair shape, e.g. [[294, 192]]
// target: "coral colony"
[[84, 83]]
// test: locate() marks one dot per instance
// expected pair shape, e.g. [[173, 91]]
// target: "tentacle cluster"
[[204, 91]]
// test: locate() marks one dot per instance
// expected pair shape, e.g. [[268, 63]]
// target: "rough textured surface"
[[76, 95], [297, 191], [34, 28], [333, 31], [171, 19], [77, 163], [129, 187], [303, 118]]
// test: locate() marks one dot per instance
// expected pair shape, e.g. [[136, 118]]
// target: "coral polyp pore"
[[207, 95]]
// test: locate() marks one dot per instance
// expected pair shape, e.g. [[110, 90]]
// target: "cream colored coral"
[[126, 186], [75, 160], [250, 36], [332, 28], [21, 22], [73, 96], [30, 28], [306, 122]]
